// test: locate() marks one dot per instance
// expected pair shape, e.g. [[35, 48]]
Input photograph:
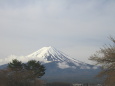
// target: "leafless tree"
[[105, 57]]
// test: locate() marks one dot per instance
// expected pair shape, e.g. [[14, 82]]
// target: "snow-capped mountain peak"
[[51, 54]]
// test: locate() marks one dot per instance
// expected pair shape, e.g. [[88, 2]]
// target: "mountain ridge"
[[50, 54], [61, 67]]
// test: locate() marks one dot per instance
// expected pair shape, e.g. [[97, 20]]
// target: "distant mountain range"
[[61, 67]]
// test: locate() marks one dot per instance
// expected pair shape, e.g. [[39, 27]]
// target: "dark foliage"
[[34, 66], [21, 74]]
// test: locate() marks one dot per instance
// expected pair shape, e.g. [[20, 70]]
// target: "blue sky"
[[76, 27]]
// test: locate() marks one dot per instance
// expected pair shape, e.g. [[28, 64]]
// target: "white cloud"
[[63, 65]]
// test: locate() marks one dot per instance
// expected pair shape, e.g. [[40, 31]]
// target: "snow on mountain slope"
[[50, 54]]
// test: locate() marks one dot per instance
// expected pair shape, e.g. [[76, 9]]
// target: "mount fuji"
[[61, 67], [51, 54]]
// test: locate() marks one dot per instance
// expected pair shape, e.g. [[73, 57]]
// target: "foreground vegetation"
[[21, 74], [105, 57]]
